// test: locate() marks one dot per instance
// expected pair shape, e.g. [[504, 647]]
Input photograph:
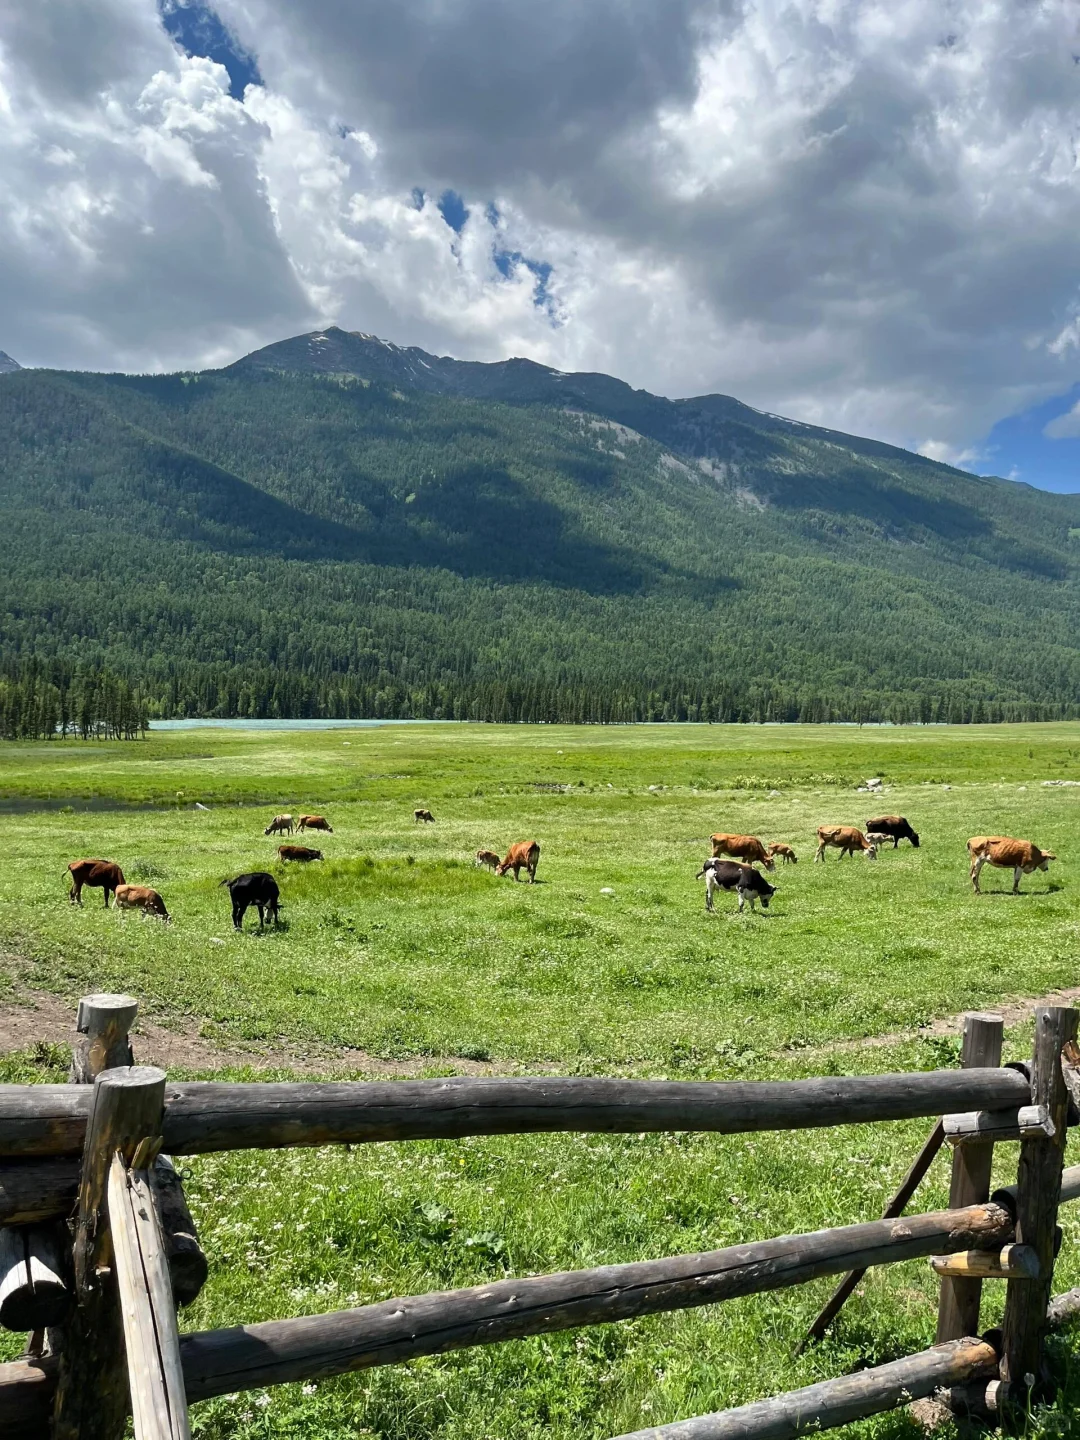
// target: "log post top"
[[97, 1011]]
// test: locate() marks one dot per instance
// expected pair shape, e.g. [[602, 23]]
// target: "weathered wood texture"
[[219, 1361], [188, 1267], [838, 1402], [1038, 1196], [960, 1298], [37, 1190], [27, 1388], [201, 1117], [1013, 1262], [92, 1392], [102, 1023], [155, 1378], [1063, 1309], [906, 1189], [980, 1127], [33, 1288], [206, 1116]]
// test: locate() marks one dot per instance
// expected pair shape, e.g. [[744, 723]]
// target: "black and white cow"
[[743, 879]]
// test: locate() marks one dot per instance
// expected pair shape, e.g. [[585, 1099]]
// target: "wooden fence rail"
[[88, 1154], [201, 1117]]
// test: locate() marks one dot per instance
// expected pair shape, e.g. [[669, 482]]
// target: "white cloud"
[[1064, 427], [858, 213]]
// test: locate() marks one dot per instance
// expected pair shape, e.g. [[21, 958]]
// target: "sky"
[[859, 213]]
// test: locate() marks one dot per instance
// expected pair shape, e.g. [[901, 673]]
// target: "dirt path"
[[1014, 1012], [41, 1017]]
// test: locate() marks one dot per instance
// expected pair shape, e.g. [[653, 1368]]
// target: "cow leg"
[[1016, 880], [75, 895], [976, 866], [819, 854], [238, 915], [105, 892], [708, 897]]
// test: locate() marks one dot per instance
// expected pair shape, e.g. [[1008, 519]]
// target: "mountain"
[[336, 524], [7, 364]]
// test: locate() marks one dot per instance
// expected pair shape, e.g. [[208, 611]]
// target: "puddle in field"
[[23, 805]]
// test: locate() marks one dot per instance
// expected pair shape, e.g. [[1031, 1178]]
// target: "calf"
[[894, 828], [314, 822], [525, 853], [98, 874], [747, 848], [280, 824], [844, 838], [141, 897], [488, 859], [419, 815], [1019, 856], [258, 889], [786, 853], [298, 852], [743, 879]]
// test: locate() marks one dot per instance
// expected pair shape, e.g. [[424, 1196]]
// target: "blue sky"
[[1019, 448]]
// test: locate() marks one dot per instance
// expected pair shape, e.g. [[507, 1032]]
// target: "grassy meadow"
[[397, 949]]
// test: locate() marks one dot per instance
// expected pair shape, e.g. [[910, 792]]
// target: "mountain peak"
[[7, 364]]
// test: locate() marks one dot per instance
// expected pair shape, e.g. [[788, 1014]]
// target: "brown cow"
[[314, 822], [525, 852], [98, 874], [298, 852], [488, 859], [419, 815], [141, 897], [747, 848], [1019, 856], [282, 824], [786, 853], [845, 838]]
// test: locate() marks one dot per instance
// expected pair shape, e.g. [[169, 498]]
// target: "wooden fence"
[[98, 1249]]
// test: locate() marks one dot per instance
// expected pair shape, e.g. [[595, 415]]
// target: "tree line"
[[39, 701]]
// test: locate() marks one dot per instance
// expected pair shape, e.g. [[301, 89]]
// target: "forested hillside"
[[338, 526]]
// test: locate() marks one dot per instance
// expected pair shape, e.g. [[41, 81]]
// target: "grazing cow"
[[258, 889], [488, 859], [98, 874], [298, 852], [526, 853], [747, 848], [141, 897], [743, 879], [419, 815], [1019, 856], [894, 828], [280, 824], [786, 853], [844, 838], [314, 822]]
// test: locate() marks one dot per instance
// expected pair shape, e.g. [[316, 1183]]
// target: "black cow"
[[895, 826], [258, 889], [743, 879]]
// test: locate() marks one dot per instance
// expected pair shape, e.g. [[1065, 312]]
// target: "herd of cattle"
[[258, 888], [745, 851], [731, 866]]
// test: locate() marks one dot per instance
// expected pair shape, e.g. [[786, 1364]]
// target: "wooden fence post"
[[103, 1023], [961, 1297], [1037, 1199], [152, 1344], [92, 1390]]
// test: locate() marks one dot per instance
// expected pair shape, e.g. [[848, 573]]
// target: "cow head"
[[871, 852], [913, 837]]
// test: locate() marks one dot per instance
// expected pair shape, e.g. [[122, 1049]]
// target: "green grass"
[[398, 947]]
